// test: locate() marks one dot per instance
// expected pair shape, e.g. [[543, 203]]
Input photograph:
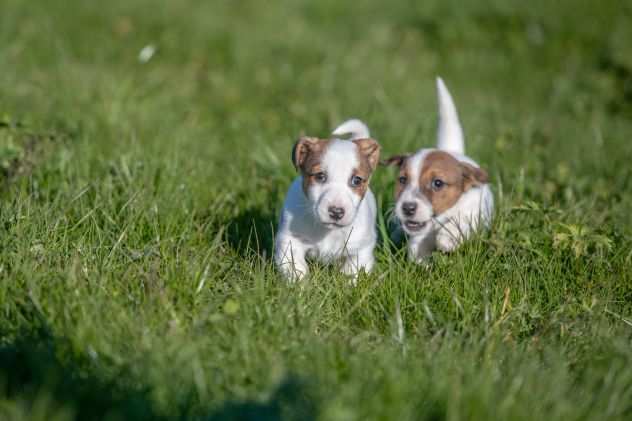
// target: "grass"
[[139, 199]]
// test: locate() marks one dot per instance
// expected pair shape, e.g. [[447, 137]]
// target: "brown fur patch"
[[403, 172], [397, 160], [400, 161], [474, 176], [369, 150], [368, 158], [364, 171], [306, 156], [457, 177]]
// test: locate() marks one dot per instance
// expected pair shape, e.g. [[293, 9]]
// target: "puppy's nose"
[[409, 208], [336, 213]]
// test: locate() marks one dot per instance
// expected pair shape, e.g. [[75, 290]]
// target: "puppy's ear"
[[370, 149], [303, 147], [396, 160], [473, 176]]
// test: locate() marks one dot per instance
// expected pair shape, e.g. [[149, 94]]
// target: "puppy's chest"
[[332, 246]]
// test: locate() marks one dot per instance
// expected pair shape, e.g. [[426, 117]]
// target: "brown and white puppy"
[[329, 211], [442, 196]]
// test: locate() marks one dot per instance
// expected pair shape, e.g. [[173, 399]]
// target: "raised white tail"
[[449, 132], [356, 128]]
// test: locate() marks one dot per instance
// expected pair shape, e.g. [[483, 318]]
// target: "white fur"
[[474, 208], [449, 131], [355, 127], [306, 229]]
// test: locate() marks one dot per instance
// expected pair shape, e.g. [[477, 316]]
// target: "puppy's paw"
[[425, 261], [293, 273], [447, 242], [351, 271]]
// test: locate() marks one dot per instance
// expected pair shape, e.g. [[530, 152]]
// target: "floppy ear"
[[302, 148], [396, 160], [473, 176], [370, 149]]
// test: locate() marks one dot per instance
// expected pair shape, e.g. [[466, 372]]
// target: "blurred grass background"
[[140, 193]]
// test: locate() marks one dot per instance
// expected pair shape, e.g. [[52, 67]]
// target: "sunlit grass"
[[140, 194]]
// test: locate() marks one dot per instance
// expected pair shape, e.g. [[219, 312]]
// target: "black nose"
[[336, 213], [409, 208]]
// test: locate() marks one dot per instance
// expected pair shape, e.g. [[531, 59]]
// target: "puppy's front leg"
[[363, 259], [453, 233], [420, 247], [290, 259]]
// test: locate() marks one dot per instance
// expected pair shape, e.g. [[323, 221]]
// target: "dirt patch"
[[22, 149]]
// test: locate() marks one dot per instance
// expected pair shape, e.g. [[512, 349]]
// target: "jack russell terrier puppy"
[[442, 195], [329, 211]]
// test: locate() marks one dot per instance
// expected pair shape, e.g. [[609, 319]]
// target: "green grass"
[[139, 200]]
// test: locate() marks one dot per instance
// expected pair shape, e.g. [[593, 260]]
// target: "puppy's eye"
[[403, 180], [437, 184], [356, 181], [320, 177]]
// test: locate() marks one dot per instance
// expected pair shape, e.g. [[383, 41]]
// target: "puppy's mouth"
[[414, 226], [333, 225]]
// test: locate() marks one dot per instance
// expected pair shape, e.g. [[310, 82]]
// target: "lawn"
[[144, 156]]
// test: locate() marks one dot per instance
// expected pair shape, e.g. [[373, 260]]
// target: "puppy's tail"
[[356, 128], [449, 132]]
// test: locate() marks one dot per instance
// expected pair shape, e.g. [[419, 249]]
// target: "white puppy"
[[442, 195], [329, 211]]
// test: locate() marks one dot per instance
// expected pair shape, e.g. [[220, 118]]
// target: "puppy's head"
[[430, 182], [336, 175]]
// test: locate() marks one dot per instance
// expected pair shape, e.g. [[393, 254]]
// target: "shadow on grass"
[[289, 402], [30, 368], [22, 148], [253, 231]]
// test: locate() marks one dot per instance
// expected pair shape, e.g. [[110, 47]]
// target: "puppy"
[[329, 211], [442, 196]]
